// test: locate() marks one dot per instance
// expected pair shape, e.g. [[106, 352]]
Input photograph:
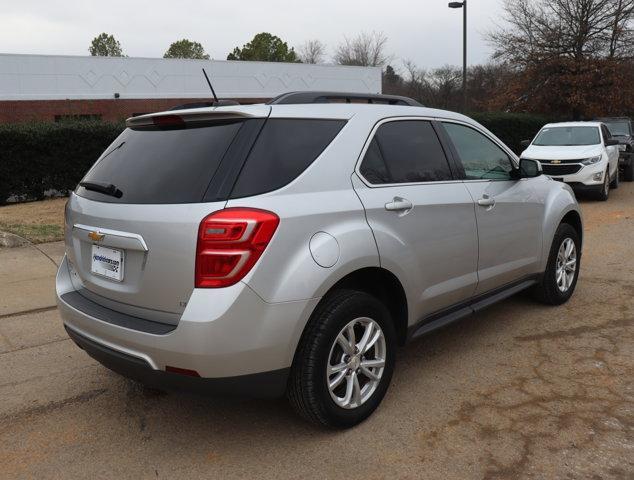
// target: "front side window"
[[405, 151], [481, 158], [567, 136]]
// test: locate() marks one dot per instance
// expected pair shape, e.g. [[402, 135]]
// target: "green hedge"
[[36, 157], [512, 128]]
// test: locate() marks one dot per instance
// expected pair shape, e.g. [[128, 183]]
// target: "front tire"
[[344, 362], [603, 193], [628, 171], [562, 271], [616, 180]]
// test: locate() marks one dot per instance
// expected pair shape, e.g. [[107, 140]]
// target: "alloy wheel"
[[566, 264], [356, 363]]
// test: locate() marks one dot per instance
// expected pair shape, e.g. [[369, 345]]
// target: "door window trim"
[[443, 145], [456, 156]]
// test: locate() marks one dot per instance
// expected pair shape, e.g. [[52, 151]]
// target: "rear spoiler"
[[199, 115]]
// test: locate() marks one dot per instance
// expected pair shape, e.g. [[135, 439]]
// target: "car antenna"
[[210, 86]]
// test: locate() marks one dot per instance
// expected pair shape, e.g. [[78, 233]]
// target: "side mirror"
[[529, 168], [525, 143], [611, 142]]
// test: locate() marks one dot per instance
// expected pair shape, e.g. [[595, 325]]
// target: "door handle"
[[398, 204], [486, 201]]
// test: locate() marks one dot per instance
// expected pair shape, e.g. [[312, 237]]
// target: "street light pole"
[[464, 57], [463, 5]]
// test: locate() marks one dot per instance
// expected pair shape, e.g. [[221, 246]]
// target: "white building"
[[49, 87]]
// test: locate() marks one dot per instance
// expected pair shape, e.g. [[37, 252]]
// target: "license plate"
[[107, 262]]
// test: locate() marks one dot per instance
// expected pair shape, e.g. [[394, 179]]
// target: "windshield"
[[568, 136], [620, 128]]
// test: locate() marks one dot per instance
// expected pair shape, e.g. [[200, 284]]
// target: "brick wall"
[[14, 111]]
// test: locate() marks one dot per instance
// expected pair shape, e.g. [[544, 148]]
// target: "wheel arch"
[[560, 206], [386, 287], [573, 219]]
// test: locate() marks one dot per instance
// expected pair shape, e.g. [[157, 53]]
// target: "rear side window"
[[373, 167], [161, 166], [405, 151], [284, 149]]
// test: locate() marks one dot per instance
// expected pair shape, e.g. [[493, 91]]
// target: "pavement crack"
[[27, 312], [54, 405], [34, 346], [576, 331]]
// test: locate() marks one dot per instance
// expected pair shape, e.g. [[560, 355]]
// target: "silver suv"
[[291, 247]]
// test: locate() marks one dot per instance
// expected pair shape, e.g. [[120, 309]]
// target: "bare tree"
[[418, 86], [540, 30], [570, 56], [366, 50], [447, 84], [312, 51], [621, 37], [442, 87], [439, 88]]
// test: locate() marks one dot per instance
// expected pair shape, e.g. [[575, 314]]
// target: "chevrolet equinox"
[[290, 247]]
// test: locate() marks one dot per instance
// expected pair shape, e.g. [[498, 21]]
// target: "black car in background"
[[621, 130]]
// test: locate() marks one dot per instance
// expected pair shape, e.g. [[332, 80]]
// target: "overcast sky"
[[425, 31]]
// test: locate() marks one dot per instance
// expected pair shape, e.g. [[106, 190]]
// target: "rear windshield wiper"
[[102, 187]]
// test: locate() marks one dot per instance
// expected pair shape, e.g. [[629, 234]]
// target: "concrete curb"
[[9, 240]]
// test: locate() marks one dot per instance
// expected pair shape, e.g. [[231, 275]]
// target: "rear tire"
[[321, 355], [558, 282]]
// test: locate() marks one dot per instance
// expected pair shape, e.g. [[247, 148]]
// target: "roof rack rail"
[[294, 98]]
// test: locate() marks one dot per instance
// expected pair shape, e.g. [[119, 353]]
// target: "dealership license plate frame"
[[105, 268]]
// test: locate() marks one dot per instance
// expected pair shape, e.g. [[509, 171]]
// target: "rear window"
[[153, 166], [284, 149]]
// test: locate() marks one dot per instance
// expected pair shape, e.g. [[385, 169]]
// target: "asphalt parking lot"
[[519, 391]]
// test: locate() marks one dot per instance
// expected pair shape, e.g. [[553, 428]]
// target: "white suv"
[[582, 154], [290, 247]]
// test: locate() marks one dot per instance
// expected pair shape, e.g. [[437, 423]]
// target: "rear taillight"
[[230, 242]]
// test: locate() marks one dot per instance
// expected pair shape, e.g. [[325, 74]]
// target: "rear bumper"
[[266, 384], [223, 334], [625, 158]]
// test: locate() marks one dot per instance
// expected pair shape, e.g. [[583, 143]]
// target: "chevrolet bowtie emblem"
[[96, 236], [556, 161]]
